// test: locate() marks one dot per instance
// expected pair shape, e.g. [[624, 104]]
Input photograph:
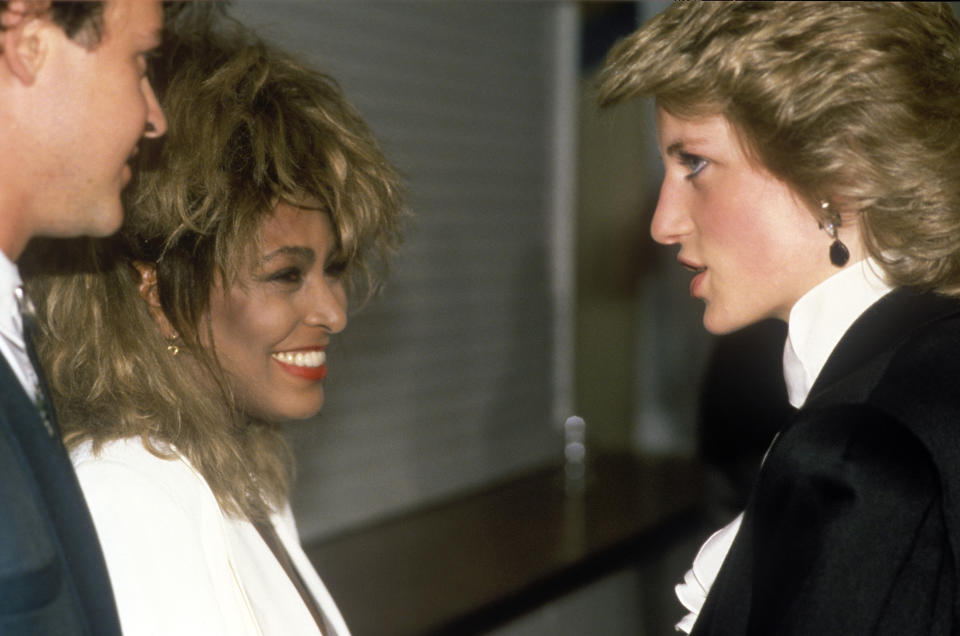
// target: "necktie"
[[28, 316]]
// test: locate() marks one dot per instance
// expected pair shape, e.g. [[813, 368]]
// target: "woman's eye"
[[693, 163], [287, 275], [335, 269]]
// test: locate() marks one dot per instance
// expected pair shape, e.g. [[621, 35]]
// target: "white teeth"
[[302, 358]]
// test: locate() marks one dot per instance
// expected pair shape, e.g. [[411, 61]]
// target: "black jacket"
[[853, 526], [53, 580]]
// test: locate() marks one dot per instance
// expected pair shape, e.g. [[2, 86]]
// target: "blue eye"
[[693, 163]]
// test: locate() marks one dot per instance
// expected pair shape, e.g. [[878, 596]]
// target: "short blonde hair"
[[855, 103], [249, 126]]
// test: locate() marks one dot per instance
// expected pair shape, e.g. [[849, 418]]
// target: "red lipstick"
[[308, 363], [314, 374]]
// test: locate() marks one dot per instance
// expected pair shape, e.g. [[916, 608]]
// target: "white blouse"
[[817, 323], [179, 565]]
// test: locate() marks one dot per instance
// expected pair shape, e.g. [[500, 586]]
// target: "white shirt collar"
[[820, 318], [12, 344], [10, 324]]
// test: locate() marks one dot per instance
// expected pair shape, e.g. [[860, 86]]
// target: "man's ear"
[[151, 296], [23, 40]]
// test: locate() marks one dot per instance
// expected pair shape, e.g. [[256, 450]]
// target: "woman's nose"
[[671, 222], [329, 306]]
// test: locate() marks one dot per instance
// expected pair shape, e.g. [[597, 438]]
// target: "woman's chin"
[[304, 414], [291, 412], [719, 323]]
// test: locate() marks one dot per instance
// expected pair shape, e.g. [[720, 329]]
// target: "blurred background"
[[431, 492]]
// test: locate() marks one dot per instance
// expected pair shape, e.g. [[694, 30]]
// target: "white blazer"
[[178, 565]]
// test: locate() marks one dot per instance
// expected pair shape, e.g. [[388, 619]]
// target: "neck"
[[14, 235], [17, 216]]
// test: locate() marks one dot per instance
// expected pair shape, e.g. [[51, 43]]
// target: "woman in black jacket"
[[812, 175]]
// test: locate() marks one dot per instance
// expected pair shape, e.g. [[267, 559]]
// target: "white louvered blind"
[[447, 381]]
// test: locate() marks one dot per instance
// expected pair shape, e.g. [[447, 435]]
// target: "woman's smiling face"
[[271, 328], [754, 247]]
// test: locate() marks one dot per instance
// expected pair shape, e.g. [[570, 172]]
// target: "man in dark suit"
[[74, 102]]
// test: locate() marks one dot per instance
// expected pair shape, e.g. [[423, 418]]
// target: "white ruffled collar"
[[820, 318]]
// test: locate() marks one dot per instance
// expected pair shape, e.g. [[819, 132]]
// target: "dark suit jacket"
[[53, 579], [853, 526]]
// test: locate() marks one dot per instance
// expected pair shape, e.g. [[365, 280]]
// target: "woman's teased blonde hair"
[[249, 127], [855, 103]]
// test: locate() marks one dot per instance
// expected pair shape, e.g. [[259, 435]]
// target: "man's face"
[[99, 104]]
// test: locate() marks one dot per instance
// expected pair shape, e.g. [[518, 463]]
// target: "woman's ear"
[[151, 296]]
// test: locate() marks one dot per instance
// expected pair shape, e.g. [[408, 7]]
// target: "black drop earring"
[[839, 254]]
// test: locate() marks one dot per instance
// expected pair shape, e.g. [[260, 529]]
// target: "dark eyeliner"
[[286, 275], [335, 268], [694, 163]]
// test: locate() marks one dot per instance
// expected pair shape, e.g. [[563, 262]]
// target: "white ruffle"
[[698, 580]]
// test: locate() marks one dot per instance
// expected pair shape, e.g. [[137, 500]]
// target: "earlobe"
[[24, 44]]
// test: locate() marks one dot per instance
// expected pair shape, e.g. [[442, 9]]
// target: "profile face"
[[752, 247], [271, 329], [100, 105]]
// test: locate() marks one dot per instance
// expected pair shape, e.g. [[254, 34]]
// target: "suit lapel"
[[15, 400], [60, 500]]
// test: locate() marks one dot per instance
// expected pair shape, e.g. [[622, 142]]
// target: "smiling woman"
[[191, 337], [270, 331]]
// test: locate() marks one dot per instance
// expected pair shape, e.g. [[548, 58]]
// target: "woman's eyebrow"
[[680, 146], [294, 251], [674, 149]]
